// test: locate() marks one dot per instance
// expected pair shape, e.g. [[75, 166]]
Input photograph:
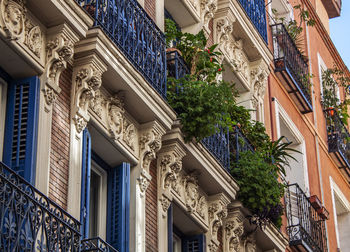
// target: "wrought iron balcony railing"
[[239, 143], [176, 66], [306, 228], [219, 146], [29, 221], [290, 63], [338, 141], [255, 10], [136, 35], [95, 245]]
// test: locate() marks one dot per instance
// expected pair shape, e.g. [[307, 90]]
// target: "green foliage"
[[201, 100], [260, 191], [332, 79]]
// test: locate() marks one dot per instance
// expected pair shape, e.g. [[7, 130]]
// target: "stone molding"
[[59, 51], [87, 79]]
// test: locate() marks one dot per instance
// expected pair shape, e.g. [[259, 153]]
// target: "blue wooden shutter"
[[21, 127], [118, 207], [85, 184], [193, 243], [170, 228]]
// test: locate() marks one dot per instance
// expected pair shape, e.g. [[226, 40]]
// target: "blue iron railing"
[[287, 58], [306, 228], [134, 32], [29, 221], [255, 10], [239, 143], [176, 66], [338, 140], [95, 245], [219, 146]]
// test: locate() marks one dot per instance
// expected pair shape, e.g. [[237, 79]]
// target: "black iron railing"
[[239, 143], [95, 245], [176, 66], [255, 10], [136, 35], [338, 140], [290, 61], [29, 221], [219, 146], [306, 228]]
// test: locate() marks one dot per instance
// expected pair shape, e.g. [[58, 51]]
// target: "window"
[[280, 9], [321, 68], [21, 126], [3, 95], [341, 210], [181, 238], [105, 198]]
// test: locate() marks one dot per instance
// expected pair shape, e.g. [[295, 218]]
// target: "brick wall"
[[210, 41], [60, 136], [219, 235], [151, 211], [150, 7]]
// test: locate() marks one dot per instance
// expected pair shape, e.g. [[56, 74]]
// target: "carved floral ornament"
[[233, 230], [258, 77], [18, 26]]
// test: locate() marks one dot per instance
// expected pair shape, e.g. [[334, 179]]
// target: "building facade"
[[94, 158]]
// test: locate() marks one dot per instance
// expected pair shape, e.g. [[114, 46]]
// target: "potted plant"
[[315, 202], [323, 213]]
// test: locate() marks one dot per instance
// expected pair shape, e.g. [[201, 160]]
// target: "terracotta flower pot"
[[315, 202]]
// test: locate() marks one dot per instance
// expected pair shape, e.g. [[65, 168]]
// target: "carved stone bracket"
[[208, 9], [258, 76], [150, 142], [115, 118], [217, 212], [87, 79], [233, 230], [59, 50], [143, 181]]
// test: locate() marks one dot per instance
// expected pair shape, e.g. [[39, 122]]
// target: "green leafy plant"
[[332, 80], [260, 191], [201, 99]]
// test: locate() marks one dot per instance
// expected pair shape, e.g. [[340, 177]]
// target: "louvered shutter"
[[21, 127], [118, 207], [193, 243], [170, 228], [85, 184]]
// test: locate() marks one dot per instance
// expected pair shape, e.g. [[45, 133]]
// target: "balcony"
[[176, 66], [95, 245], [127, 24], [306, 227], [239, 143], [255, 10], [338, 141], [333, 7], [30, 221], [291, 67]]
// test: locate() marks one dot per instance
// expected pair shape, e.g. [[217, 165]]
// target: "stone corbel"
[[87, 78], [233, 230], [143, 181], [217, 212], [150, 143], [59, 51], [258, 77], [208, 9]]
